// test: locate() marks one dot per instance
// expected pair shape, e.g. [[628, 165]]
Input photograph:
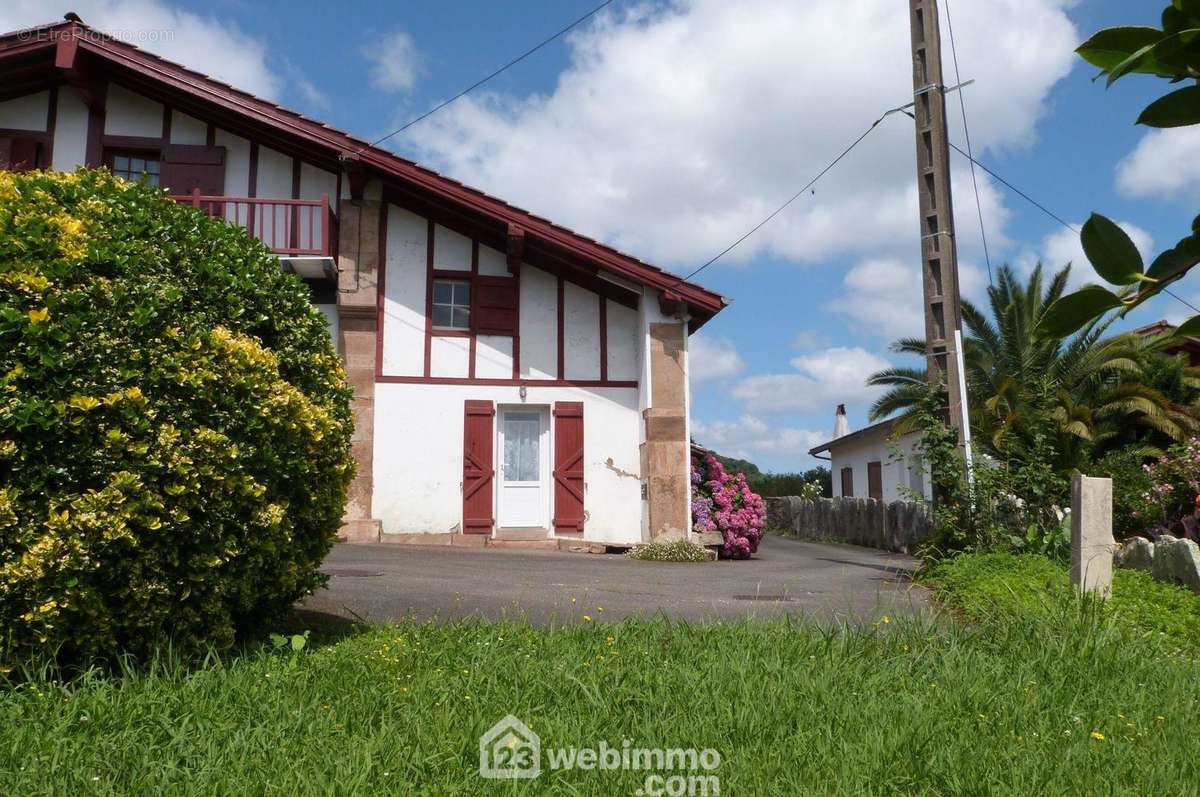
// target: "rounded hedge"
[[174, 424]]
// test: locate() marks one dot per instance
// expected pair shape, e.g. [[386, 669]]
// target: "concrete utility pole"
[[939, 256]]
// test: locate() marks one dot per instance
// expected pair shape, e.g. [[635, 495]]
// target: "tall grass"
[[904, 706]]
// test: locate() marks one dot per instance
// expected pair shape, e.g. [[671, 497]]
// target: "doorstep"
[[540, 543]]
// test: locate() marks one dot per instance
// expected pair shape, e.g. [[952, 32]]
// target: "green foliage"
[[1130, 485], [735, 465], [1171, 52], [916, 706], [1085, 394], [1110, 250], [678, 551], [174, 424], [812, 483], [1163, 617], [1013, 502]]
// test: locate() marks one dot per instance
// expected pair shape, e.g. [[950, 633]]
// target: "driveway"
[[392, 582]]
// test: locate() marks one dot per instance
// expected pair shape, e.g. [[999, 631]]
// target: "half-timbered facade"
[[512, 378]]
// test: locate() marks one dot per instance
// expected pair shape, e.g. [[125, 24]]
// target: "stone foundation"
[[358, 271]]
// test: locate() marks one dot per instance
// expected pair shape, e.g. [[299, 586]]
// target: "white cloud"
[[822, 380], [749, 437], [676, 129], [1062, 247], [883, 296], [217, 48], [395, 62], [1164, 163], [713, 358]]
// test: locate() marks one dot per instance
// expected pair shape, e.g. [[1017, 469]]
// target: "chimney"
[[841, 425]]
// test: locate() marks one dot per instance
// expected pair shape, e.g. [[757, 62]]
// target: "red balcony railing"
[[289, 227]]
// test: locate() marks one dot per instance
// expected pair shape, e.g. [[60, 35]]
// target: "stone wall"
[[898, 526], [1168, 559]]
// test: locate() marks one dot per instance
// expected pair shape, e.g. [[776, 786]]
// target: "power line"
[[962, 104], [481, 81], [1052, 214], [793, 198]]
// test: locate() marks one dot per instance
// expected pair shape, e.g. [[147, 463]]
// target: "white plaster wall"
[[237, 162], [492, 262], [330, 312], [315, 182], [274, 179], [895, 459], [450, 356], [404, 294], [581, 333], [129, 114], [274, 173], [187, 129], [451, 250], [26, 113], [419, 443], [538, 324], [70, 131], [622, 342], [493, 357]]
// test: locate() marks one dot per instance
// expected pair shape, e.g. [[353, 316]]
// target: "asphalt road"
[[384, 582]]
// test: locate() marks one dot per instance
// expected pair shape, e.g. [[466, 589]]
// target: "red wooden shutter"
[[477, 467], [187, 167], [19, 154], [496, 300], [875, 480], [568, 466]]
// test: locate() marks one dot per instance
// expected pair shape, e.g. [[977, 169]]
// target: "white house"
[[512, 378], [875, 462]]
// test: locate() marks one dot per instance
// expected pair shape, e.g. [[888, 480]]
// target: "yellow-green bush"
[[174, 424]]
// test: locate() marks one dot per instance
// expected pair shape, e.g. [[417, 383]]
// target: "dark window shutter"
[[496, 300], [568, 466], [188, 167], [875, 480], [19, 154], [847, 482], [477, 467]]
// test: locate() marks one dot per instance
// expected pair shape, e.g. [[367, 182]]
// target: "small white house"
[[512, 378], [875, 462]]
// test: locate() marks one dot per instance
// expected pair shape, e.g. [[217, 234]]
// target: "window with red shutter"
[[478, 473], [18, 154], [190, 167], [496, 301], [568, 466]]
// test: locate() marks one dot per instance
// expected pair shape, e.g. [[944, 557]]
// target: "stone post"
[[1091, 534], [666, 456], [358, 275]]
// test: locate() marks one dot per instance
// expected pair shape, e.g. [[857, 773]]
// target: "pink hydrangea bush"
[[724, 502]]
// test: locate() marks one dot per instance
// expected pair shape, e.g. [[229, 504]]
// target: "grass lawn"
[[1052, 700]]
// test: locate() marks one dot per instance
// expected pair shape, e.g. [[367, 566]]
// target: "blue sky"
[[670, 128]]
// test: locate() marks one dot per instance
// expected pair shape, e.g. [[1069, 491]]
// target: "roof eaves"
[[342, 142]]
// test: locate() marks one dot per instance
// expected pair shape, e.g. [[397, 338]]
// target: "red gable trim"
[[702, 303]]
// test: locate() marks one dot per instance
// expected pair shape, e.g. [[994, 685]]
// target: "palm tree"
[[1092, 389]]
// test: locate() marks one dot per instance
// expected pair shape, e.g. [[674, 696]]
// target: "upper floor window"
[[452, 304], [132, 166]]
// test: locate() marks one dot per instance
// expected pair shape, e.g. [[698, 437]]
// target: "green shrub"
[[174, 424], [678, 551], [1132, 512], [987, 586]]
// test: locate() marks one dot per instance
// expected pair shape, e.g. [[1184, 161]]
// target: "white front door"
[[524, 449]]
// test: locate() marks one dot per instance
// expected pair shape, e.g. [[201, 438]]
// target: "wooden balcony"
[[291, 228]]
